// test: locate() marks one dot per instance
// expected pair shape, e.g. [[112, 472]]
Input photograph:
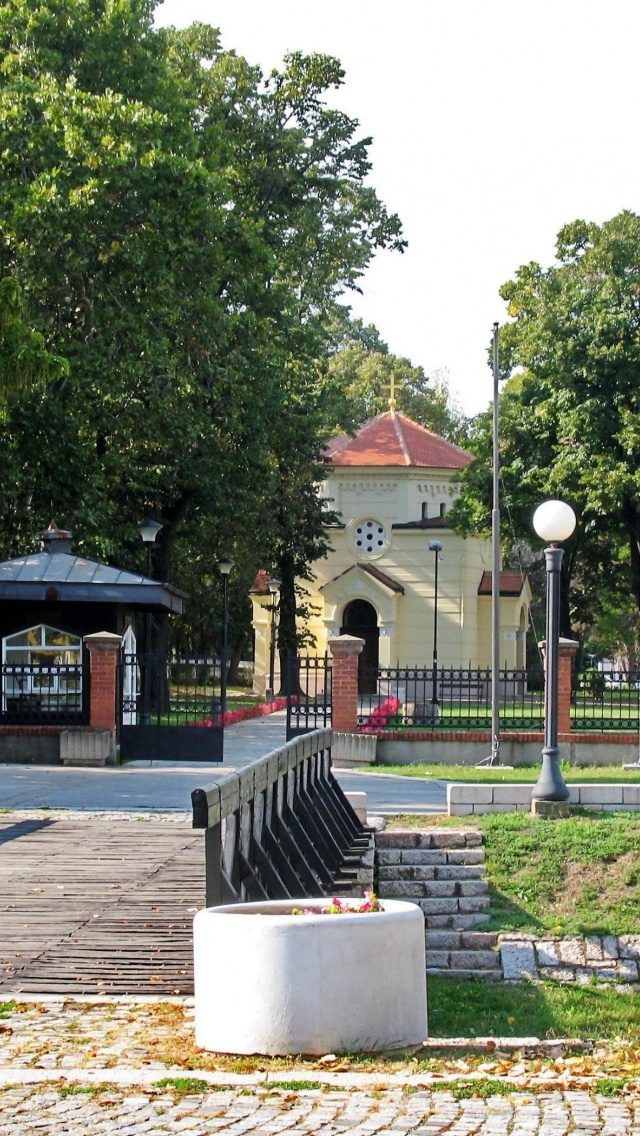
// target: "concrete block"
[[631, 795], [518, 960], [572, 951], [459, 872], [472, 856], [473, 903], [574, 794], [558, 973], [423, 856], [478, 940], [443, 940], [437, 960], [486, 976], [422, 873], [400, 839], [627, 970], [629, 946], [440, 889], [473, 960], [464, 922], [547, 953], [473, 838], [439, 906], [387, 855], [610, 946], [358, 802], [593, 949], [474, 887], [512, 795], [449, 838], [87, 747], [600, 794], [352, 749], [469, 794], [459, 810], [400, 889], [437, 922]]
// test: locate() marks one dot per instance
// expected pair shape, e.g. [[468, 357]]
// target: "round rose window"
[[369, 537]]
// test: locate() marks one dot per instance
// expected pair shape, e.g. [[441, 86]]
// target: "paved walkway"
[[125, 1069], [165, 786]]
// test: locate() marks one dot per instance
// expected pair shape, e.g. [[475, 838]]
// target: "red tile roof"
[[511, 584], [392, 439]]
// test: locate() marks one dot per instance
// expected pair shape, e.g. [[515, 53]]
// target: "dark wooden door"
[[360, 618]]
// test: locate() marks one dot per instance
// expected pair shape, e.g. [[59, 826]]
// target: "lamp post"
[[224, 568], [148, 530], [436, 548], [553, 521], [274, 590]]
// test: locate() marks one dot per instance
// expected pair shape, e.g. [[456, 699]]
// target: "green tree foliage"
[[363, 369], [570, 413], [183, 232]]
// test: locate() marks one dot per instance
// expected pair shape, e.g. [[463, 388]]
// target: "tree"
[[570, 415], [363, 367], [183, 233]]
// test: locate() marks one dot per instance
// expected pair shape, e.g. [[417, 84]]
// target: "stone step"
[[461, 940], [430, 872], [458, 839], [433, 889]]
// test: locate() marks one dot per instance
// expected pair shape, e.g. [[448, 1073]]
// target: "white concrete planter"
[[273, 983]]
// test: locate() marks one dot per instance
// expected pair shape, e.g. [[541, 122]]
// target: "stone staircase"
[[442, 870]]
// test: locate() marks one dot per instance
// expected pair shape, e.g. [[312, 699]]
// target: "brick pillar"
[[567, 650], [344, 682], [104, 649]]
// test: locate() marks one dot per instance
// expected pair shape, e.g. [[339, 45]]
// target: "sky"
[[494, 123]]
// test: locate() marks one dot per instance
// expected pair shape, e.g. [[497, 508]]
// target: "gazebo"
[[53, 602]]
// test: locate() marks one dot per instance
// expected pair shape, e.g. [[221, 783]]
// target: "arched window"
[[42, 671]]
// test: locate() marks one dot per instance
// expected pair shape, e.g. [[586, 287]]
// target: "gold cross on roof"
[[391, 387]]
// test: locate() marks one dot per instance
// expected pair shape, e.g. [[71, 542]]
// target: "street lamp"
[[553, 521], [274, 589], [435, 547], [148, 530], [224, 568]]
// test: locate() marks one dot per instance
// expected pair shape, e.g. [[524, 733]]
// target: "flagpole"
[[495, 546]]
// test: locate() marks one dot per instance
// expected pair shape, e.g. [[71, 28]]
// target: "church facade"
[[392, 486]]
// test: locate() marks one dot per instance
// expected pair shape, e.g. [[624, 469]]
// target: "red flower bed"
[[230, 717], [381, 715]]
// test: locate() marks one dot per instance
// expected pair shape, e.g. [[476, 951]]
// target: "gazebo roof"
[[56, 573]]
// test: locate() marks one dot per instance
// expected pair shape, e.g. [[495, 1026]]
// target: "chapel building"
[[392, 485]]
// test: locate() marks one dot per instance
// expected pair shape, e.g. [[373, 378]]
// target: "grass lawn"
[[466, 1008], [523, 773], [578, 876]]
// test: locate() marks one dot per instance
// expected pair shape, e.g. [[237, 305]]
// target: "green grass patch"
[[75, 1090], [187, 1085], [474, 1008], [6, 1008], [296, 1086], [610, 1086], [482, 1087], [499, 775]]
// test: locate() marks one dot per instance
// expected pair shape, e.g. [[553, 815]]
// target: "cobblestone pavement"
[[129, 1068]]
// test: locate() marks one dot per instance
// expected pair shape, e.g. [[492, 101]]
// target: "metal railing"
[[451, 698], [308, 686], [281, 828], [53, 695], [606, 700]]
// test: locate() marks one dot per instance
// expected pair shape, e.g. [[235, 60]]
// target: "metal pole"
[[434, 699], [146, 673], [495, 547], [223, 657], [272, 646], [550, 785]]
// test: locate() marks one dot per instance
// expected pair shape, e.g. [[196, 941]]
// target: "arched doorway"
[[361, 619]]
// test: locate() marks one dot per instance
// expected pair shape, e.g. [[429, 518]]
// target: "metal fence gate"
[[169, 708], [308, 687]]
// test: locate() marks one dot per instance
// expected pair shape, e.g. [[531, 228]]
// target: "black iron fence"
[[449, 698], [52, 695], [606, 700], [169, 708], [308, 686]]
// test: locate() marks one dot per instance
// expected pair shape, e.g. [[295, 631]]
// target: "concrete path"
[[165, 786]]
